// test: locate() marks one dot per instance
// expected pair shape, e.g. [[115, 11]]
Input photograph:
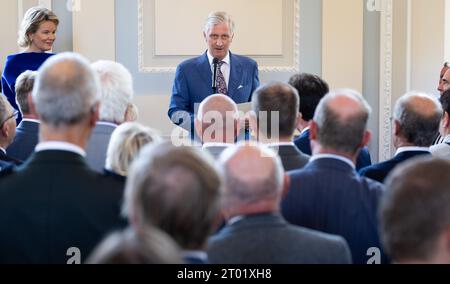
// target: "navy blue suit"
[[328, 195], [380, 171], [26, 139], [193, 81], [302, 142]]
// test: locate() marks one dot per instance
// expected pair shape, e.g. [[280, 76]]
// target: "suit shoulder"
[[245, 59], [190, 62], [6, 170]]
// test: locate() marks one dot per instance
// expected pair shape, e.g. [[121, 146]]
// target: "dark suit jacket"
[[7, 158], [269, 239], [328, 195], [291, 157], [303, 143], [380, 171], [98, 145], [4, 166], [52, 203], [26, 139], [193, 81]]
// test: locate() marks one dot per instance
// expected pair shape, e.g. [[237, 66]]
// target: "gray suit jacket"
[[98, 145], [291, 157], [26, 139], [269, 239]]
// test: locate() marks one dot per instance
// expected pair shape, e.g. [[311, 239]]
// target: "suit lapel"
[[235, 75], [204, 69]]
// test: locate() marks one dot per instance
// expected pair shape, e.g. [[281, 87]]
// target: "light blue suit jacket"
[[193, 81]]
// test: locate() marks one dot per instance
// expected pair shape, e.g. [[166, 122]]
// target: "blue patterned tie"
[[221, 84]]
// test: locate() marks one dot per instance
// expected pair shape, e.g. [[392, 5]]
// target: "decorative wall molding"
[[292, 66], [386, 73]]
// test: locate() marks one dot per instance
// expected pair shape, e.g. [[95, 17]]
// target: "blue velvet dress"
[[15, 65]]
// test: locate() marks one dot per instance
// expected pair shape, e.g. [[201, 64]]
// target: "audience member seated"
[[217, 123], [8, 117], [116, 89], [36, 36], [274, 119], [126, 247], [312, 89], [415, 124], [126, 141], [27, 132], [415, 212], [327, 194], [178, 191], [443, 149], [256, 233], [55, 203]]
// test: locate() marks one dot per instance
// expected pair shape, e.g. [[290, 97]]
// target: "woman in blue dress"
[[36, 36]]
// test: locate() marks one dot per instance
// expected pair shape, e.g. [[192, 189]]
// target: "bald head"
[[66, 90], [341, 119], [417, 117], [253, 174], [217, 119]]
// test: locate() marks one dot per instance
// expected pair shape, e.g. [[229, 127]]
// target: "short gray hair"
[[175, 189], [66, 90], [125, 143], [31, 22], [240, 191], [216, 18], [416, 125], [24, 87], [336, 132], [415, 209], [116, 85]]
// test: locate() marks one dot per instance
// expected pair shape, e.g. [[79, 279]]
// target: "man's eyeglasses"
[[15, 115]]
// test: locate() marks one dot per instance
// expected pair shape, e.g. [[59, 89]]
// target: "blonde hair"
[[31, 22], [126, 141]]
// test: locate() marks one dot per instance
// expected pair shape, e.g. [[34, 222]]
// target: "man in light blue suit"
[[236, 76]]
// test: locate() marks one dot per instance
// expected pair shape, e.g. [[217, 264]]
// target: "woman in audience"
[[36, 36], [126, 141]]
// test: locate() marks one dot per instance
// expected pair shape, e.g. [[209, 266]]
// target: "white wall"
[[342, 38]]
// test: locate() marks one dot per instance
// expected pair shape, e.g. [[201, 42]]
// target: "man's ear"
[[95, 114], [286, 185], [31, 105], [298, 121], [312, 130], [366, 138], [204, 36], [396, 128], [446, 119]]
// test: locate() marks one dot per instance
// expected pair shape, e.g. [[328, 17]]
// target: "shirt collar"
[[197, 254], [280, 144], [332, 156], [216, 144], [413, 148], [226, 59], [60, 145], [31, 120], [305, 129], [3, 150], [447, 139], [106, 123]]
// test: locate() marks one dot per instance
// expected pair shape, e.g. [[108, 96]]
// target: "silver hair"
[[31, 21], [216, 18], [243, 191], [417, 127], [125, 144], [66, 90], [24, 87], [340, 134], [116, 85]]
